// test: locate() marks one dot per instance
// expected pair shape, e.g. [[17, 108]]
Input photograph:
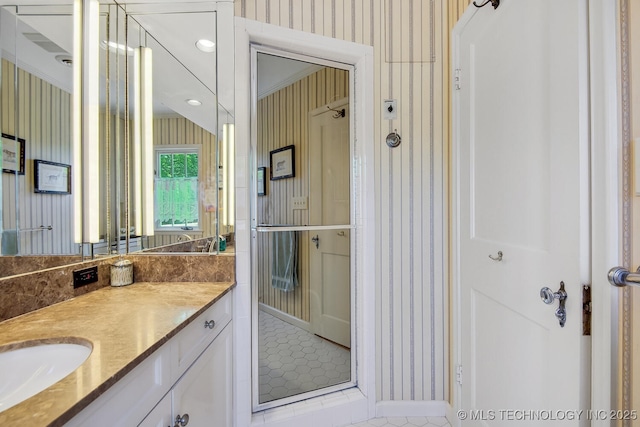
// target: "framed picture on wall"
[[282, 163], [12, 154], [51, 177], [261, 184]]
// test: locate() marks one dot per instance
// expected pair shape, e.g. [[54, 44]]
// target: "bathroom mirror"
[[303, 225], [50, 27], [171, 83], [37, 81]]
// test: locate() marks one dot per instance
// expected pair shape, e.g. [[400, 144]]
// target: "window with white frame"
[[176, 188]]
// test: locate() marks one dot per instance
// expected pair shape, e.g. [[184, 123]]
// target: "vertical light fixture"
[[86, 155], [228, 189], [145, 85], [136, 200], [77, 121]]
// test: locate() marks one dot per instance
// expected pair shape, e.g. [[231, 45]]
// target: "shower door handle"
[[316, 240]]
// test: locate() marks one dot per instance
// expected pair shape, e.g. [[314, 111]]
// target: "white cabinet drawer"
[[128, 401], [189, 343]]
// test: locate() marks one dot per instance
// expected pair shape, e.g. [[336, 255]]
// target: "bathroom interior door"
[[522, 189], [329, 203]]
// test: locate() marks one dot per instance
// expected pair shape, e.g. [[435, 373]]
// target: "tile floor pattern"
[[293, 361], [405, 422]]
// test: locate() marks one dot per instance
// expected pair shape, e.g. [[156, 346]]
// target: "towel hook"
[[393, 139], [338, 113], [494, 3]]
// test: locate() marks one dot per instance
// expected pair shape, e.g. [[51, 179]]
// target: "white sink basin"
[[30, 369]]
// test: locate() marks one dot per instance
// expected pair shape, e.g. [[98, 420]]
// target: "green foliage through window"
[[176, 190]]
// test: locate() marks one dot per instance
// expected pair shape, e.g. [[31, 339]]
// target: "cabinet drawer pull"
[[209, 324]]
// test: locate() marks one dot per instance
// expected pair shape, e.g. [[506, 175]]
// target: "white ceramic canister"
[[122, 273]]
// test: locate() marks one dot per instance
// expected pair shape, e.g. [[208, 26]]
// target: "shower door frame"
[[257, 228], [359, 398]]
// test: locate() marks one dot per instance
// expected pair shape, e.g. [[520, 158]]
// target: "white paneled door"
[[522, 204], [329, 205]]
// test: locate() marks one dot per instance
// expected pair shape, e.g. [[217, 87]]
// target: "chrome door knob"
[[548, 297], [181, 421]]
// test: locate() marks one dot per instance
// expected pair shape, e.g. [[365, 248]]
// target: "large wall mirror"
[[166, 119], [304, 222], [36, 122], [165, 139]]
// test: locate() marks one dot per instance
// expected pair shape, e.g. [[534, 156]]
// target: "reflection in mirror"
[[37, 82], [304, 222], [164, 124]]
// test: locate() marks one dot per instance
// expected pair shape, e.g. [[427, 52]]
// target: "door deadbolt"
[[548, 297]]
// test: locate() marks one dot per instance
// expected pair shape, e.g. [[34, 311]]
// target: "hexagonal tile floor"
[[293, 361]]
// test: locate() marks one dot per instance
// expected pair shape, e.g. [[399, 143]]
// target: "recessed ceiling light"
[[65, 60], [116, 47], [194, 102], [206, 45]]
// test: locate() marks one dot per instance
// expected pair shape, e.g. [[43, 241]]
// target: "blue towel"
[[284, 271], [9, 242]]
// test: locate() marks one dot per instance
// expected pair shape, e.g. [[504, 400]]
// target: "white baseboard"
[[285, 317], [332, 410], [413, 408]]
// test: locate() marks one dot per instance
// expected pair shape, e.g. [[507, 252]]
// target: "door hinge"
[[459, 374], [457, 84], [586, 310]]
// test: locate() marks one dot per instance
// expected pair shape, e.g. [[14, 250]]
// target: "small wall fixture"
[[393, 139], [338, 113], [494, 3], [194, 102]]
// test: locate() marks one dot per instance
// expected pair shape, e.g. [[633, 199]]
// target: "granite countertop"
[[124, 324]]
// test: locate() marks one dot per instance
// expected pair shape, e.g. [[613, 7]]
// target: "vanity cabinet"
[[190, 374], [161, 415], [203, 393]]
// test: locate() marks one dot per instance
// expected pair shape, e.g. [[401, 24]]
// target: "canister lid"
[[122, 263]]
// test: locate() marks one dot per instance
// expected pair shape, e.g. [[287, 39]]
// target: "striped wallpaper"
[[41, 114], [411, 46]]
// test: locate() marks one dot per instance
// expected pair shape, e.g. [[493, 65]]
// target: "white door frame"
[[357, 403], [605, 209]]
